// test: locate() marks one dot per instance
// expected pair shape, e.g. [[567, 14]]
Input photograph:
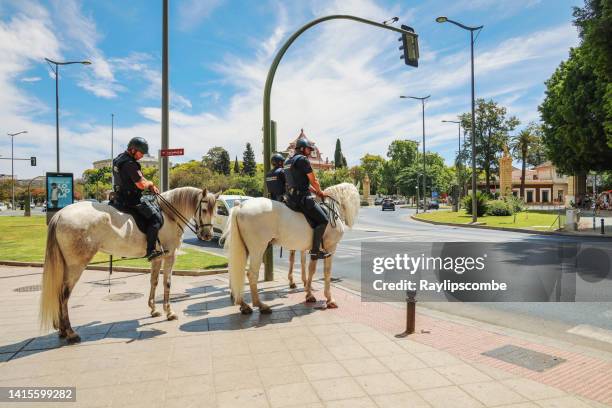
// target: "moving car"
[[388, 204], [223, 207], [433, 205]]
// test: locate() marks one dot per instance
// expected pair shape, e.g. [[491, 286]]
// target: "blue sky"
[[341, 79]]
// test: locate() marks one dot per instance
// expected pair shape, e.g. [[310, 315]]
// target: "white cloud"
[[192, 12], [31, 79]]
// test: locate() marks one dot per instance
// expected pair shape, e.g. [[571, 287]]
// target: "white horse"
[[260, 221], [77, 232]]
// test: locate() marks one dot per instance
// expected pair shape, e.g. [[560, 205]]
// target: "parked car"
[[223, 207], [3, 207], [433, 205], [400, 201], [388, 204], [378, 200]]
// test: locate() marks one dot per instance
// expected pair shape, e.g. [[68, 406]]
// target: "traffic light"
[[410, 46], [33, 161]]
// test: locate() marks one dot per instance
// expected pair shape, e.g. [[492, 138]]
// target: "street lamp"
[[443, 19], [422, 99], [12, 135], [56, 72], [458, 164]]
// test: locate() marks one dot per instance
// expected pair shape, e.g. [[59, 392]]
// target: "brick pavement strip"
[[298, 356]]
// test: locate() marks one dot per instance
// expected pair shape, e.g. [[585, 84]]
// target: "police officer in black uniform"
[[301, 180], [275, 179], [129, 183]]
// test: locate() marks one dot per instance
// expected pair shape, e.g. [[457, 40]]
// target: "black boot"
[[316, 252]]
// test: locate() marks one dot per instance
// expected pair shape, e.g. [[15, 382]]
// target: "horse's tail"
[[237, 256], [52, 280]]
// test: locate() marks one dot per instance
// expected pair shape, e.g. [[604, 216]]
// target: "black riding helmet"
[[277, 159], [302, 143], [139, 144]]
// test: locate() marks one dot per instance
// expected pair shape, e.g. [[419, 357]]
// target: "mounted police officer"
[[301, 180], [129, 183], [275, 179]]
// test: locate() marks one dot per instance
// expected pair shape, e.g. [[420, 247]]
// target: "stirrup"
[[155, 254], [319, 255]]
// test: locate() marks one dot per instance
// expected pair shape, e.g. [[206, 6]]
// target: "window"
[[529, 195], [545, 196], [222, 209]]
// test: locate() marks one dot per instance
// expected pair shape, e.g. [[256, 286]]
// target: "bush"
[[499, 207], [481, 200], [234, 191], [515, 203]]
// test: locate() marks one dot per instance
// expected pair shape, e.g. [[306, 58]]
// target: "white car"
[[224, 204], [3, 207]]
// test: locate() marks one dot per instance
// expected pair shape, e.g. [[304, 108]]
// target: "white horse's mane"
[[348, 197], [187, 197]]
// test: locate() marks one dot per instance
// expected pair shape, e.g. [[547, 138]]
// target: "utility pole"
[[12, 136], [164, 119]]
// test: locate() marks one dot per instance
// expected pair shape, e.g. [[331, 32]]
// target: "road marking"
[[592, 332]]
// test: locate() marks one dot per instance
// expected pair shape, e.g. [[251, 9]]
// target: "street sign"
[[171, 152], [434, 194]]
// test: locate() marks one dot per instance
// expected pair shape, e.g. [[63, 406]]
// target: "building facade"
[[316, 158], [146, 161]]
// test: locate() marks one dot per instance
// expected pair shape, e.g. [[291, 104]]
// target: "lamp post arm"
[[464, 26], [279, 55]]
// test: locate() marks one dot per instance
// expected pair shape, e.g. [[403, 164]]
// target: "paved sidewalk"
[[299, 355]]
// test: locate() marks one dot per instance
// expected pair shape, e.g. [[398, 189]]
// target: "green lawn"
[[24, 238], [525, 219]]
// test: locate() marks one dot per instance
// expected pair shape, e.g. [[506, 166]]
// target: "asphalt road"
[[373, 225]]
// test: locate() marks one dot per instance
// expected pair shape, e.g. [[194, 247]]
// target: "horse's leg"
[[312, 267], [253, 274], [168, 264], [290, 274], [73, 273], [155, 267], [303, 266], [327, 264]]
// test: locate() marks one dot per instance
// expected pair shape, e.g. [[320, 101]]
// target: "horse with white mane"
[[77, 232], [260, 221]]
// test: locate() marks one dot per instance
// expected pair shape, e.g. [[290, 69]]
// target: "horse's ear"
[[204, 192]]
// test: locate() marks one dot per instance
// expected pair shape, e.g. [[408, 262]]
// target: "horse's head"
[[204, 213], [347, 196]]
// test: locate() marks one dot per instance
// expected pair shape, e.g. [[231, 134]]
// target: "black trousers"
[[311, 209], [154, 224]]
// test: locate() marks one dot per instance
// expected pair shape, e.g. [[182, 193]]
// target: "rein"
[[198, 224], [331, 206]]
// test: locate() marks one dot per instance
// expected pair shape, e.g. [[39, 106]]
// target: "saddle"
[[142, 213]]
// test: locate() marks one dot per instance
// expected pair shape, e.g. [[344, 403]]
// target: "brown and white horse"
[[77, 232], [260, 221]]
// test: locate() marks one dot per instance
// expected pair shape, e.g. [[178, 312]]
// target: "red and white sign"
[[171, 152]]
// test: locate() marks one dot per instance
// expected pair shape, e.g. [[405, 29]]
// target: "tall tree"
[[403, 152], [217, 160], [520, 145], [573, 113], [248, 161], [236, 166], [492, 127], [594, 22], [339, 160]]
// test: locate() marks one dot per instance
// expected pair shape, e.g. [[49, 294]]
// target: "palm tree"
[[520, 145]]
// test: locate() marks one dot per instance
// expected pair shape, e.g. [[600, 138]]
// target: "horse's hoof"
[[292, 286], [74, 339], [155, 313], [311, 299], [246, 310], [332, 305], [265, 310], [172, 316]]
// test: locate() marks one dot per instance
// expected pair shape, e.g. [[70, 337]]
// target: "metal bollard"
[[410, 314], [602, 227]]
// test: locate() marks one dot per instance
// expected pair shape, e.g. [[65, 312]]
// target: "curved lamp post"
[[443, 19], [27, 204], [12, 136], [56, 72], [422, 99], [267, 125], [457, 163]]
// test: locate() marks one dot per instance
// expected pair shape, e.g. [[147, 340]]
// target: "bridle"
[[198, 224]]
